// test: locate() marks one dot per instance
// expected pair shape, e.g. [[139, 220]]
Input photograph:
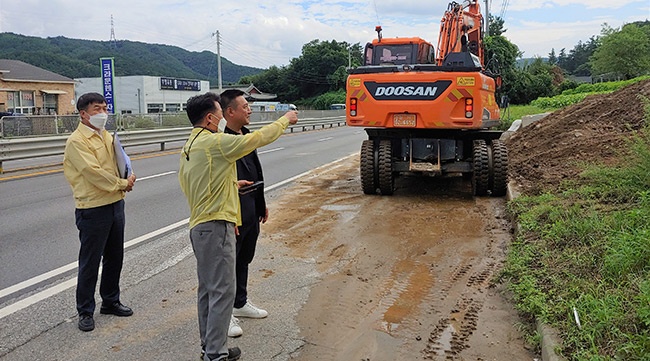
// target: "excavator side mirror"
[[505, 102]]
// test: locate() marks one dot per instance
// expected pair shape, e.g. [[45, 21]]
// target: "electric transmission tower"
[[113, 40]]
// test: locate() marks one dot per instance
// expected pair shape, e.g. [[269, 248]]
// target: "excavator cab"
[[398, 51]]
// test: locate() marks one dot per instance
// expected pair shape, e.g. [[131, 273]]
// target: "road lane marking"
[[59, 170], [21, 176], [156, 175], [53, 290], [325, 139], [270, 150]]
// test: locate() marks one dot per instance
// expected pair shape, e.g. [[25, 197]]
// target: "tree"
[[496, 25], [502, 59], [625, 52], [562, 59], [318, 69], [552, 59], [321, 68]]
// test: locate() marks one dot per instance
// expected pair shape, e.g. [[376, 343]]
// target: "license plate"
[[404, 120]]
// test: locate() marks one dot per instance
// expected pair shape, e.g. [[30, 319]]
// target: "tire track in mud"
[[404, 277]]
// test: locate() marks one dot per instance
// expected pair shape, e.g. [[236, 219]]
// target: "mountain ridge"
[[79, 58]]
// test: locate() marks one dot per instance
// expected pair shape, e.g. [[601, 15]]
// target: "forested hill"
[[77, 58]]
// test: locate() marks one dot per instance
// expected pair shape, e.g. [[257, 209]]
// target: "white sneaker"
[[249, 310], [234, 330]]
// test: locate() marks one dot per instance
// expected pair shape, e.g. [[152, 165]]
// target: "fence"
[[34, 147], [38, 125]]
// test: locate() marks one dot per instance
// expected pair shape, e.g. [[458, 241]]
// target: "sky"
[[263, 33]]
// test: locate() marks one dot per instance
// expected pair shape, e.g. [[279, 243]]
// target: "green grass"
[[587, 246], [514, 112]]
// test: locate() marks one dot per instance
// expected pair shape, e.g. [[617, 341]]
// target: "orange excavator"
[[427, 112]]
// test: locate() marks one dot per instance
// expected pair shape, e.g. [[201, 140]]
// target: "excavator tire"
[[385, 163], [481, 168], [366, 167], [499, 171]]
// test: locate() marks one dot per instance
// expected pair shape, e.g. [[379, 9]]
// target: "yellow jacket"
[[90, 168], [209, 177]]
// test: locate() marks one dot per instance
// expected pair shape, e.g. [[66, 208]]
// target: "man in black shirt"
[[237, 113]]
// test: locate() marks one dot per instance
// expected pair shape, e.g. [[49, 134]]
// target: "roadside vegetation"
[[581, 258], [564, 99]]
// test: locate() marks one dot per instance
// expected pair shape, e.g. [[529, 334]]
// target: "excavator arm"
[[461, 30]]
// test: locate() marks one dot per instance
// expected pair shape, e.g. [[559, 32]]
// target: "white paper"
[[123, 161]]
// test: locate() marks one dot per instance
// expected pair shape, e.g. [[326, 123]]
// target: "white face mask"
[[98, 120]]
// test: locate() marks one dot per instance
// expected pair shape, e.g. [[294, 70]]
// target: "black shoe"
[[117, 309], [233, 354], [86, 323]]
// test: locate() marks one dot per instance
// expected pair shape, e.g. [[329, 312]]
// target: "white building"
[[140, 94]]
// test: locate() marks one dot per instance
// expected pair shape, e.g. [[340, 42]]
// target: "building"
[[28, 89], [139, 94]]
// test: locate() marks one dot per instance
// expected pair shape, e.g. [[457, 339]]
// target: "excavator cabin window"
[[398, 54], [393, 54]]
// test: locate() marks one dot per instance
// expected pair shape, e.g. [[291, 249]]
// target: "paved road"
[[37, 232]]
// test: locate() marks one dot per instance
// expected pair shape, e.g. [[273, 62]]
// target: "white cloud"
[[272, 32]]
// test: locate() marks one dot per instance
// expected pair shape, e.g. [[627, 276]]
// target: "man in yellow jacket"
[[89, 166], [208, 178]]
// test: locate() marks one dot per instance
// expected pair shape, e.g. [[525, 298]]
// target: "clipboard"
[[121, 158]]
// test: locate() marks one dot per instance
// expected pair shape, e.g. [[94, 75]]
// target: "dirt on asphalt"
[[404, 277], [410, 276]]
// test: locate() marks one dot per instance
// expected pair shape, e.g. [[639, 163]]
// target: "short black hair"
[[228, 96], [89, 98], [200, 105]]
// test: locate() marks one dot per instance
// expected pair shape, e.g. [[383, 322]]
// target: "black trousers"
[[101, 233], [246, 242]]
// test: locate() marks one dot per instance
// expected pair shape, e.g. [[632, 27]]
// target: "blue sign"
[[107, 83]]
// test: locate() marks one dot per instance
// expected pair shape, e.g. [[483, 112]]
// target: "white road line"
[[51, 291], [156, 175], [6, 311], [325, 139], [270, 150]]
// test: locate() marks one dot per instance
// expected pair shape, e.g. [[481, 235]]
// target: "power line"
[[504, 7]]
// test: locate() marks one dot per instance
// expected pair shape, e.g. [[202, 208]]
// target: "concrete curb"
[[550, 340]]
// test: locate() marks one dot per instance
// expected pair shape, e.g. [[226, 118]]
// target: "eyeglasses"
[[187, 152]]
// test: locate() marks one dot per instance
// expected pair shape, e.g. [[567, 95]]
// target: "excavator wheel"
[[366, 167], [385, 165], [481, 168], [499, 171]]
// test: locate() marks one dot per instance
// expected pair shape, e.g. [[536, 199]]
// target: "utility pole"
[[487, 18], [350, 57], [218, 59]]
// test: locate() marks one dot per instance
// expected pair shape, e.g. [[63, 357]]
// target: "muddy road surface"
[[404, 277]]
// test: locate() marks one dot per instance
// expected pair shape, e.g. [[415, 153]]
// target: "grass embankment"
[[584, 249]]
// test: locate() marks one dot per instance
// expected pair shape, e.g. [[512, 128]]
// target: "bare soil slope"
[[553, 149]]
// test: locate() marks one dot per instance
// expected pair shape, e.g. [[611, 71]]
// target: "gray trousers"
[[214, 247]]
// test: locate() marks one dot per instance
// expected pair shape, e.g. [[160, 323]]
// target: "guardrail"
[[25, 148]]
